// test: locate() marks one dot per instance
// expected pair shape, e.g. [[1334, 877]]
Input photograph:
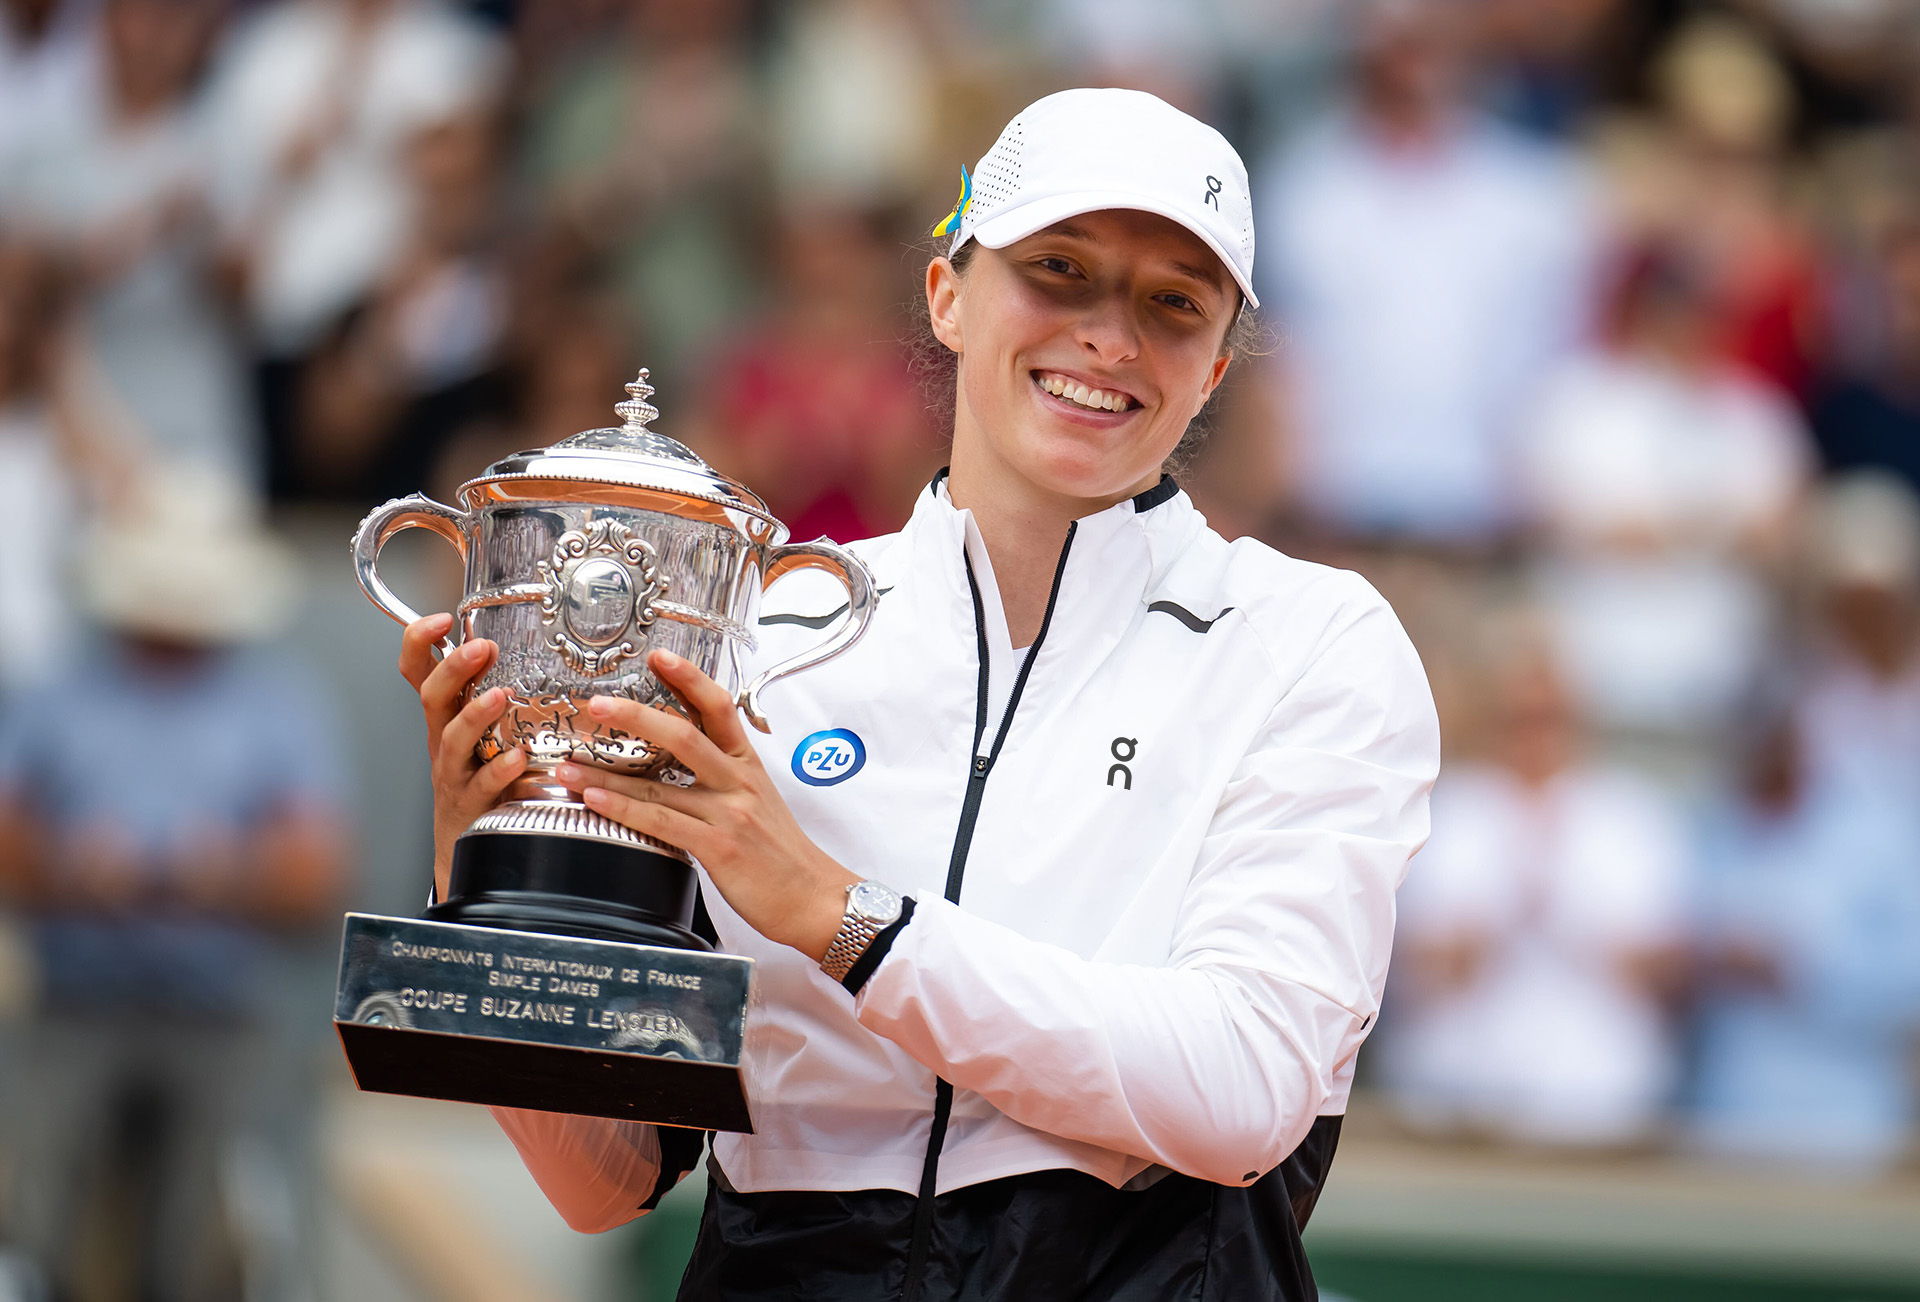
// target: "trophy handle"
[[414, 511], [852, 572]]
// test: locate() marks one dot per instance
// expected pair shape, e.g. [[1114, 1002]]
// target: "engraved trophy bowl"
[[580, 559], [562, 972]]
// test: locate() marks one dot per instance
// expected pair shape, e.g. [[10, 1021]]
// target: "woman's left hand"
[[732, 819]]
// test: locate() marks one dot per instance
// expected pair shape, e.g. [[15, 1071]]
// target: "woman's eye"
[[1060, 265], [1180, 302]]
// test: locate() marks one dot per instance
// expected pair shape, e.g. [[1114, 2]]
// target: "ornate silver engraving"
[[571, 552], [600, 585], [514, 594], [538, 722]]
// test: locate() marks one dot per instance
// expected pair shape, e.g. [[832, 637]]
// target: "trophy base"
[[555, 1023], [570, 886]]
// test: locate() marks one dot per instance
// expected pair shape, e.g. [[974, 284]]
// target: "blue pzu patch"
[[824, 758]]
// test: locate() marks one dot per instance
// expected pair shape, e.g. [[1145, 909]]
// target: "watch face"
[[875, 902]]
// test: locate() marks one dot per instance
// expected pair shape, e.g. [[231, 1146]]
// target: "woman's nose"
[[1108, 330]]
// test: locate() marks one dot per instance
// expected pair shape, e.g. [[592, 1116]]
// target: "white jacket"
[[1170, 929]]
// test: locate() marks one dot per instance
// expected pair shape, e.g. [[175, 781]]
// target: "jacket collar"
[[1117, 557], [1162, 492]]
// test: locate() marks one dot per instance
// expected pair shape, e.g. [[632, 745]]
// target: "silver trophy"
[[563, 971]]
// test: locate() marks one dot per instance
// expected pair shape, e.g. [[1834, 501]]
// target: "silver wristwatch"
[[871, 909]]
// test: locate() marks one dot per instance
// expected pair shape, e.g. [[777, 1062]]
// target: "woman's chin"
[[1075, 472]]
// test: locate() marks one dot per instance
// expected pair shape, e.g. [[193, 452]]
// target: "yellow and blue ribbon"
[[950, 224]]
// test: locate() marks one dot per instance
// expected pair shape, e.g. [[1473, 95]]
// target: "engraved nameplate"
[[554, 1023]]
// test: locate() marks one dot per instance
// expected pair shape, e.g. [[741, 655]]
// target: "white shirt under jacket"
[[1172, 965]]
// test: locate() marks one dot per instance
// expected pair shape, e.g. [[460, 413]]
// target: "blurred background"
[[1595, 344]]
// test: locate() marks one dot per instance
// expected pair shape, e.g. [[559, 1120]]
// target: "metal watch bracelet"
[[859, 925]]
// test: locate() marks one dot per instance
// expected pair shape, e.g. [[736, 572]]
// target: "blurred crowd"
[[1595, 343]]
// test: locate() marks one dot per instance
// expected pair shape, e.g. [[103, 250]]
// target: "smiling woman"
[[1085, 350], [1070, 888]]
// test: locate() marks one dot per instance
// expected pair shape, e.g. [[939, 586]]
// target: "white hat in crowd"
[[189, 560], [1080, 151], [1865, 531]]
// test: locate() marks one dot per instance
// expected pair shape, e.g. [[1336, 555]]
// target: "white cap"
[[1084, 150], [1865, 530], [187, 558]]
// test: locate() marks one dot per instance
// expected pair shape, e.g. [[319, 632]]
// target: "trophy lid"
[[628, 454]]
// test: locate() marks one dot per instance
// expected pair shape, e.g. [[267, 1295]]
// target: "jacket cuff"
[[863, 967]]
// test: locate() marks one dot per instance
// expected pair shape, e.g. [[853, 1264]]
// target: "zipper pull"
[[981, 763]]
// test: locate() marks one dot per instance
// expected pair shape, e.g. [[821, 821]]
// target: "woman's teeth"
[[1098, 399]]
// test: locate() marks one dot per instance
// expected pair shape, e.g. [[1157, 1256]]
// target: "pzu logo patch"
[[824, 758]]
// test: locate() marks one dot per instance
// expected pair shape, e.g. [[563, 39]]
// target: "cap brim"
[[1016, 223]]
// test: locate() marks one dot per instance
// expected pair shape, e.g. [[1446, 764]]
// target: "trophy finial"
[[636, 411]]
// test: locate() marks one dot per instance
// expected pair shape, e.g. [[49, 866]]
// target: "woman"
[[1147, 794]]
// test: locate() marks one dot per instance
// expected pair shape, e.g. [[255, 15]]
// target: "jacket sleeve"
[[597, 1172], [1217, 1063]]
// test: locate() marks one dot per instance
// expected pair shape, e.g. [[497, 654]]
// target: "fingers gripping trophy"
[[562, 971]]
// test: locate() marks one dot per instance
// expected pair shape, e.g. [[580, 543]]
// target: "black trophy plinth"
[[571, 886], [560, 974]]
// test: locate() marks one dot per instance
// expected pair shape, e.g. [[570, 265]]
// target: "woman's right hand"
[[463, 787]]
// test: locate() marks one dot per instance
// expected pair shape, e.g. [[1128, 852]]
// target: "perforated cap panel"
[[1083, 150]]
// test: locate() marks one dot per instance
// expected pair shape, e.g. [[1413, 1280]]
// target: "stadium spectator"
[[169, 812], [1428, 263], [312, 109], [417, 361], [113, 183], [1858, 697], [1808, 905], [1662, 481], [1539, 936], [1810, 890], [1720, 142]]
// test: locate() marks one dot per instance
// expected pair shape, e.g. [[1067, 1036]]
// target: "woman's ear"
[[943, 302], [1214, 376]]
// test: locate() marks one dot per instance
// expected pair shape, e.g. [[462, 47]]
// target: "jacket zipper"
[[921, 1241]]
